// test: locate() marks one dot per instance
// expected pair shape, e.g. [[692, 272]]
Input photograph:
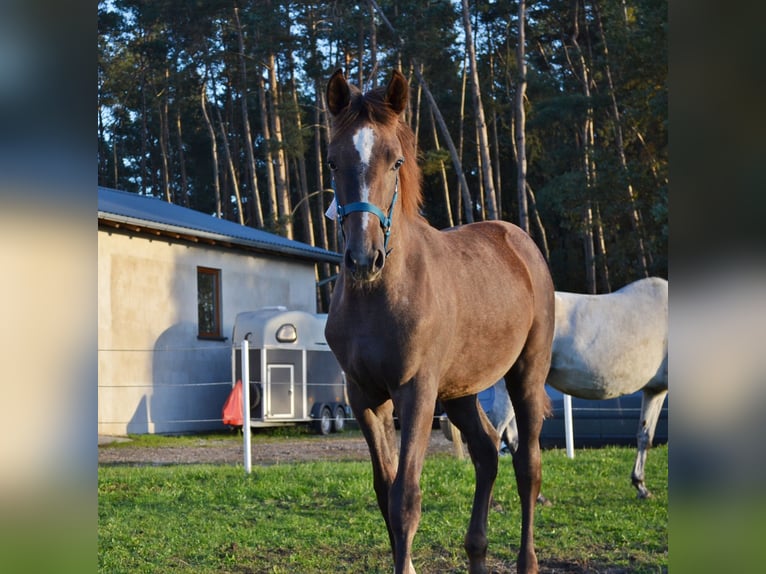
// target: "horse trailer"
[[294, 377]]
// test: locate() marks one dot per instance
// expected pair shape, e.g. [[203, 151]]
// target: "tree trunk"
[[443, 171], [601, 252], [214, 147], [181, 158], [270, 178], [360, 48], [230, 164], [520, 122], [144, 135], [482, 200], [280, 168], [495, 139], [252, 174], [451, 146], [373, 49], [634, 214], [332, 234], [588, 250], [481, 123], [588, 164], [416, 113], [320, 219], [162, 109], [305, 212], [320, 229], [115, 164], [461, 135], [543, 242], [496, 170]]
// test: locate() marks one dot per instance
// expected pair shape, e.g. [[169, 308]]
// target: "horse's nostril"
[[380, 260], [350, 262], [364, 266]]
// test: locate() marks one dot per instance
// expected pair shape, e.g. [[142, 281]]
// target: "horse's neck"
[[408, 247]]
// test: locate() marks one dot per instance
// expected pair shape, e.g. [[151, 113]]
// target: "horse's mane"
[[372, 107]]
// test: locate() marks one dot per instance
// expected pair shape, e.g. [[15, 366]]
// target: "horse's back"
[[503, 250], [610, 345]]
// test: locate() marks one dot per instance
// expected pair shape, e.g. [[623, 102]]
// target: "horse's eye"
[[399, 163], [331, 165]]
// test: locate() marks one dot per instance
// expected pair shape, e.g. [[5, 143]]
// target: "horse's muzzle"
[[365, 266]]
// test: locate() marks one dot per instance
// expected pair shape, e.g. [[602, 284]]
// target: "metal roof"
[[142, 213]]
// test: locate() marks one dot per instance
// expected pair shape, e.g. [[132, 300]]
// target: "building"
[[171, 280]]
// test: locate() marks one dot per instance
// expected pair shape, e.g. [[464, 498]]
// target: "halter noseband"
[[364, 206]]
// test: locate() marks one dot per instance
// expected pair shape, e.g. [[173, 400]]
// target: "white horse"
[[607, 346]]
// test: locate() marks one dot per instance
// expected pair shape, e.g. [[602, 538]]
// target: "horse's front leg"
[[376, 422], [414, 402], [651, 406], [483, 442]]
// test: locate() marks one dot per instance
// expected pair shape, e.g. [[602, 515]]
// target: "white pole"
[[568, 432], [246, 404]]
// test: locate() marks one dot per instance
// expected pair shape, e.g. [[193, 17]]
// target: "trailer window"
[[209, 302]]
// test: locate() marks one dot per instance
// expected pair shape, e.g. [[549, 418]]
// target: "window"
[[209, 302]]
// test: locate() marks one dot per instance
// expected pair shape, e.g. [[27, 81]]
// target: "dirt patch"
[[277, 451]]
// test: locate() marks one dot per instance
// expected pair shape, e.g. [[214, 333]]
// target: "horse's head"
[[364, 155]]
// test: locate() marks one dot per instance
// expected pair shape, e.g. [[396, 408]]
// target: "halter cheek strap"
[[364, 206]]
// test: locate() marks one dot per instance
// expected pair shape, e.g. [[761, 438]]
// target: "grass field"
[[322, 517]]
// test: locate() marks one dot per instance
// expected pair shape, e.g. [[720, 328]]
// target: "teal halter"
[[364, 206]]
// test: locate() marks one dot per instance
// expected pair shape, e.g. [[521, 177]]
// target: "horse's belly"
[[590, 384], [478, 369]]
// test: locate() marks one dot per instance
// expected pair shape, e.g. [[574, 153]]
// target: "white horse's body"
[[607, 346]]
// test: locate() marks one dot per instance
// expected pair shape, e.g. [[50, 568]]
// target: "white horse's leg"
[[651, 406], [503, 417]]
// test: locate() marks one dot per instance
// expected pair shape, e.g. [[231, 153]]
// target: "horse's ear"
[[338, 93], [397, 92]]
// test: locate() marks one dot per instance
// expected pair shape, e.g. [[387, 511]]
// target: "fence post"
[[457, 440], [246, 404], [568, 431]]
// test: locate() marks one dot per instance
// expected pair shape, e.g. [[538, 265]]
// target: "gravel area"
[[274, 451]]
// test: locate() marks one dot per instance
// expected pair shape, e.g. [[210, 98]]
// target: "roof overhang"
[[196, 236]]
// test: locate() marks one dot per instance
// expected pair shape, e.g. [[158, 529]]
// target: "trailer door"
[[281, 389]]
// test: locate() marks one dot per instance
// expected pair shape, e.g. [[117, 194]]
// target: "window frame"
[[217, 311]]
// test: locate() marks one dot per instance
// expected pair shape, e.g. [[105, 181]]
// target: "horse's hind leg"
[[377, 425], [651, 406], [526, 387], [483, 442]]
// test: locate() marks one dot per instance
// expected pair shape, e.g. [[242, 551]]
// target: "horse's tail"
[[547, 406]]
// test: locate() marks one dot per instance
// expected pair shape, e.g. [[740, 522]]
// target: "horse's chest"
[[375, 354]]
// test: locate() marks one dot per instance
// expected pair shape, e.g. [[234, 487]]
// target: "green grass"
[[322, 517]]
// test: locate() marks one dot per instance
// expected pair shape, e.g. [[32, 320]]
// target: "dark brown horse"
[[420, 314]]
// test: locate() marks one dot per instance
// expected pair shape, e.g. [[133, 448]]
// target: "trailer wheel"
[[255, 395], [323, 425], [339, 422]]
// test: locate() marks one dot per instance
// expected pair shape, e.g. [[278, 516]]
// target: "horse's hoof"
[[643, 493]]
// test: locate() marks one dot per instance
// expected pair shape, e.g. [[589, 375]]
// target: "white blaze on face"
[[363, 140]]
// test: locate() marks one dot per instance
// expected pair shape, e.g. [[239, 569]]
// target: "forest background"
[[550, 114]]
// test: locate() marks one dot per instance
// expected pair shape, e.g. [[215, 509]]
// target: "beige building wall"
[[154, 374]]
